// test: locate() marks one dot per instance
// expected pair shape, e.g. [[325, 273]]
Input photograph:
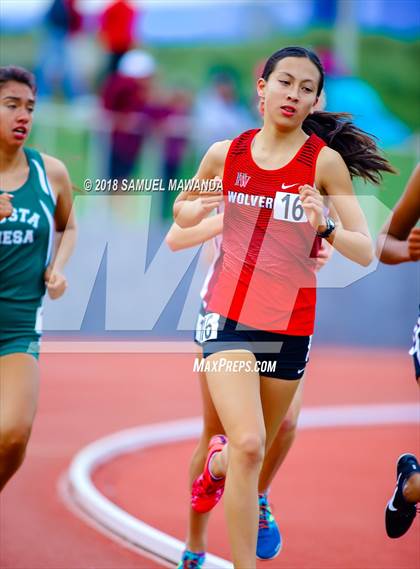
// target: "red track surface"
[[329, 497]]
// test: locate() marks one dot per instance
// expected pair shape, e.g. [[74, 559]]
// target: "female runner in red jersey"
[[269, 539], [260, 317]]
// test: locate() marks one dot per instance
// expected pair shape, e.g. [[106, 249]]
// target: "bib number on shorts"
[[288, 207], [207, 327]]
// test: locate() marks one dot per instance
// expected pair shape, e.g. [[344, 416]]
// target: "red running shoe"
[[206, 490]]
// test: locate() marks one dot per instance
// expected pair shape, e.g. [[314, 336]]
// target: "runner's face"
[[290, 93], [16, 107]]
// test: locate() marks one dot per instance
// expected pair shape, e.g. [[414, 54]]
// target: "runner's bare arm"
[[190, 208], [399, 239], [65, 226], [179, 238], [351, 237]]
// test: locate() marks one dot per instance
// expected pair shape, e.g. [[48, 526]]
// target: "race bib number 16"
[[288, 207], [207, 327]]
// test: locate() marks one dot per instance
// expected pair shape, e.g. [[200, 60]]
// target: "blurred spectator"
[[127, 93], [56, 71], [219, 114], [331, 62], [176, 134], [138, 111], [117, 31]]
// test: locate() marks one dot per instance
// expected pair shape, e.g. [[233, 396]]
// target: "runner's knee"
[[288, 426], [13, 441], [249, 448]]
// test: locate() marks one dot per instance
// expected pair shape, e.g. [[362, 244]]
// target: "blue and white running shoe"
[[269, 538]]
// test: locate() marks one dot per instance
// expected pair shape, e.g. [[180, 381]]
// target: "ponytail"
[[357, 148]]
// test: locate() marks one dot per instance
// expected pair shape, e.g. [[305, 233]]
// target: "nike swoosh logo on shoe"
[[391, 502], [391, 507]]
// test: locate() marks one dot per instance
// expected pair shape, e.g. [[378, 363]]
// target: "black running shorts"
[[280, 356]]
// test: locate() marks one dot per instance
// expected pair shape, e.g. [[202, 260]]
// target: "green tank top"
[[26, 237]]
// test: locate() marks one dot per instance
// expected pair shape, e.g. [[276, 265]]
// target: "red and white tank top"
[[267, 276]]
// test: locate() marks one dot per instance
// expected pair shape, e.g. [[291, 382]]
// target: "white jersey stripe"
[[43, 180], [51, 232]]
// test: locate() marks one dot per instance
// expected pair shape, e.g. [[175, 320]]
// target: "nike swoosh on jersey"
[[285, 187]]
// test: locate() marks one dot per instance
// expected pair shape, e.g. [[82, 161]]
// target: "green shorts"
[[20, 327], [21, 345]]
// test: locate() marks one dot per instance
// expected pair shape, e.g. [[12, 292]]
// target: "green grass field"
[[389, 65]]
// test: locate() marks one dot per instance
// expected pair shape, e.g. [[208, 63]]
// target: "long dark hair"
[[18, 74], [357, 148]]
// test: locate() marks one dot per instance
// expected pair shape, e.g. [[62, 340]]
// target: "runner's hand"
[[6, 208], [193, 211], [413, 242], [313, 205], [324, 254], [55, 282]]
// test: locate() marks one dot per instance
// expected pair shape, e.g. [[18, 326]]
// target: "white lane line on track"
[[118, 347], [124, 346], [145, 538], [71, 504]]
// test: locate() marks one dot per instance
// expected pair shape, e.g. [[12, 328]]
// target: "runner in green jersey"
[[37, 235]]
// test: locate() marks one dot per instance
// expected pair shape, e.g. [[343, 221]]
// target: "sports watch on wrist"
[[330, 223]]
